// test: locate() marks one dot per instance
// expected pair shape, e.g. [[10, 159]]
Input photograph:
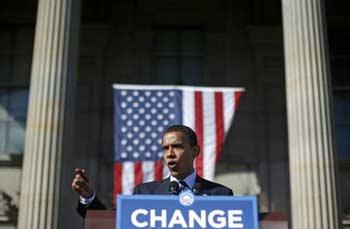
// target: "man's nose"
[[170, 152]]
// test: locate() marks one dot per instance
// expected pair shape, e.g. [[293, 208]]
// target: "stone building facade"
[[59, 59]]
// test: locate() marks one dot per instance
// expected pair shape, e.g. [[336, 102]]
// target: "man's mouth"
[[172, 164]]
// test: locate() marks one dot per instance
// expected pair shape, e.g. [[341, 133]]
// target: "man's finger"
[[76, 172], [81, 183], [82, 173], [76, 188], [79, 179]]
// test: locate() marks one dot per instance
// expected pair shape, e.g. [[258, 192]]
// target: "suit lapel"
[[204, 185], [163, 187]]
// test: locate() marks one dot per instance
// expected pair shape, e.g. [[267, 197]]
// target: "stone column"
[[311, 150], [49, 114]]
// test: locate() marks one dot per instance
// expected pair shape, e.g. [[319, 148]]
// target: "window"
[[340, 65], [13, 112], [178, 56], [342, 123]]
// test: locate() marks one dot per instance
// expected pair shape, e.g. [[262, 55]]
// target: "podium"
[[183, 211], [106, 219], [96, 219]]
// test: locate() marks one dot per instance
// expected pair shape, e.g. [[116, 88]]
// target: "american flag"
[[143, 112]]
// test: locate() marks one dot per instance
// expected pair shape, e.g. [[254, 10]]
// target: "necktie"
[[183, 185]]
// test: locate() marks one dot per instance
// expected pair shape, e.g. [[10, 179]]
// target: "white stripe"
[[148, 171], [188, 109], [166, 172], [128, 178], [229, 109], [209, 135], [172, 87]]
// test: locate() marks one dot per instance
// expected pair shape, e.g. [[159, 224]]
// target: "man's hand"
[[82, 183]]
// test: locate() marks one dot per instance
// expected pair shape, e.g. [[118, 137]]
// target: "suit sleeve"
[[222, 191], [96, 204]]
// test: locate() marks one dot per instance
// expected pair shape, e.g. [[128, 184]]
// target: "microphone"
[[197, 189], [173, 188]]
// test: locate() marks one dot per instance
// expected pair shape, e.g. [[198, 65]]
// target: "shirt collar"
[[190, 179]]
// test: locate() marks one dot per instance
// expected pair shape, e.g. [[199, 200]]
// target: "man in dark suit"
[[180, 148]]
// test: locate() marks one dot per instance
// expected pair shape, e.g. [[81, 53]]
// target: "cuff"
[[87, 201]]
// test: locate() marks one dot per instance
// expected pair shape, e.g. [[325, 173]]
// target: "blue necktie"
[[183, 185]]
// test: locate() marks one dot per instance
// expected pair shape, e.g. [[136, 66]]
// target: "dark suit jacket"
[[162, 188]]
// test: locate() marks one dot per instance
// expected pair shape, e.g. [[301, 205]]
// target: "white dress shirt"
[[190, 180]]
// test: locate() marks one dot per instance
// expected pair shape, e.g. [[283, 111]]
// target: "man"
[[180, 148]]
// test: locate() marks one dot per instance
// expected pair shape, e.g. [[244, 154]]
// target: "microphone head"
[[174, 188], [197, 187]]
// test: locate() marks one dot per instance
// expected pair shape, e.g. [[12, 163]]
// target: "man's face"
[[178, 154]]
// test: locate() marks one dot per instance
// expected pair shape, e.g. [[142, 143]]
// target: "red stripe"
[[237, 97], [138, 173], [118, 168], [198, 100], [158, 170], [219, 123]]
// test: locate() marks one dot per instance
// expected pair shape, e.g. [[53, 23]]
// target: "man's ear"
[[196, 150]]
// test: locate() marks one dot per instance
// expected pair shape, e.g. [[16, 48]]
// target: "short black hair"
[[190, 135]]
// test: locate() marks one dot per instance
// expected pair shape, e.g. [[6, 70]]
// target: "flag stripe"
[[237, 98], [229, 103], [148, 171], [128, 177], [199, 130], [138, 172], [188, 109], [219, 120], [209, 135], [158, 168], [166, 172], [118, 167]]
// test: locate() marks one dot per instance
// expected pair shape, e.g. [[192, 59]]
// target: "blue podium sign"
[[186, 211]]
